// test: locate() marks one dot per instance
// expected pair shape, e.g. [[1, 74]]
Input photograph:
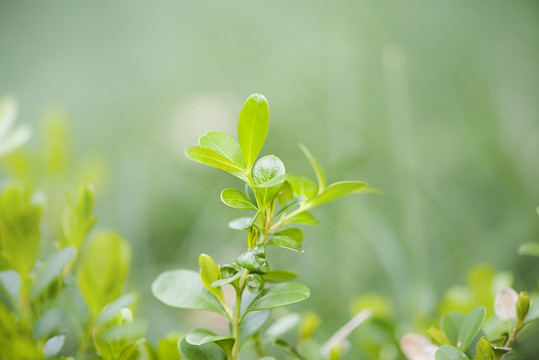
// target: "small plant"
[[278, 201]]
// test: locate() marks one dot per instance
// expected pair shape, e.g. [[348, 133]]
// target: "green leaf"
[[209, 351], [529, 248], [451, 325], [268, 177], [252, 321], [276, 276], [103, 270], [283, 326], [10, 289], [183, 289], [285, 242], [211, 158], [51, 270], [320, 177], [228, 280], [335, 191], [280, 295], [253, 127], [295, 201], [285, 194], [241, 224], [53, 346], [448, 352], [224, 145], [167, 349], [294, 233], [302, 218], [236, 199], [200, 337], [470, 327], [302, 186], [483, 350], [253, 259], [209, 272], [20, 215]]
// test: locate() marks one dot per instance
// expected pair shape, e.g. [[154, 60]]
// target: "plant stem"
[[516, 329], [236, 321]]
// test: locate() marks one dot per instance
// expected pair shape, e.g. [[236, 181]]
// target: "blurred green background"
[[435, 103]]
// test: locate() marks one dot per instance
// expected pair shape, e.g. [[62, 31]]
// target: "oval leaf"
[[280, 295], [51, 270], [470, 327], [268, 177], [276, 276], [184, 289], [200, 337], [211, 158], [207, 351], [223, 144], [447, 352], [10, 288], [286, 242], [253, 259], [209, 272], [451, 325], [253, 127], [236, 199]]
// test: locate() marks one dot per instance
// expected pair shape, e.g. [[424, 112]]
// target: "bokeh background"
[[435, 103]]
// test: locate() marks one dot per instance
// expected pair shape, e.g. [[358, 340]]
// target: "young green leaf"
[[268, 177], [335, 191], [451, 324], [208, 351], [285, 194], [183, 289], [10, 289], [302, 186], [253, 127], [223, 144], [302, 218], [276, 276], [320, 176], [227, 280], [285, 242], [253, 259], [236, 199], [448, 352], [209, 272], [211, 158], [113, 309], [292, 203], [280, 295], [484, 350], [529, 248], [470, 327], [51, 270]]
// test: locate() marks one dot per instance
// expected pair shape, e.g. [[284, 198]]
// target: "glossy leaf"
[[253, 127], [211, 158], [183, 289], [236, 199], [470, 327], [276, 276], [253, 259], [285, 194], [451, 324], [51, 270], [209, 351], [320, 176], [200, 337], [268, 177], [335, 191], [224, 145], [103, 270], [302, 186], [280, 295], [448, 352], [10, 289], [209, 273]]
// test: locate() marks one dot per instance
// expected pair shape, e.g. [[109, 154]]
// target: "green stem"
[[511, 338], [236, 321]]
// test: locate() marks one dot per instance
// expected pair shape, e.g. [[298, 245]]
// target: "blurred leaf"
[[285, 194], [211, 158], [268, 177], [310, 322], [242, 223], [14, 140], [202, 336], [112, 309], [78, 219], [251, 323], [447, 352], [254, 258], [451, 324], [56, 141], [335, 191], [253, 127], [283, 326], [223, 144], [470, 327], [8, 113], [236, 199], [10, 289], [11, 140], [484, 350], [53, 346], [279, 276], [167, 349], [320, 176], [103, 270], [51, 270], [280, 295], [438, 336], [294, 202], [183, 289], [209, 272], [209, 351], [529, 248], [302, 218], [302, 186], [505, 304], [20, 216], [122, 332]]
